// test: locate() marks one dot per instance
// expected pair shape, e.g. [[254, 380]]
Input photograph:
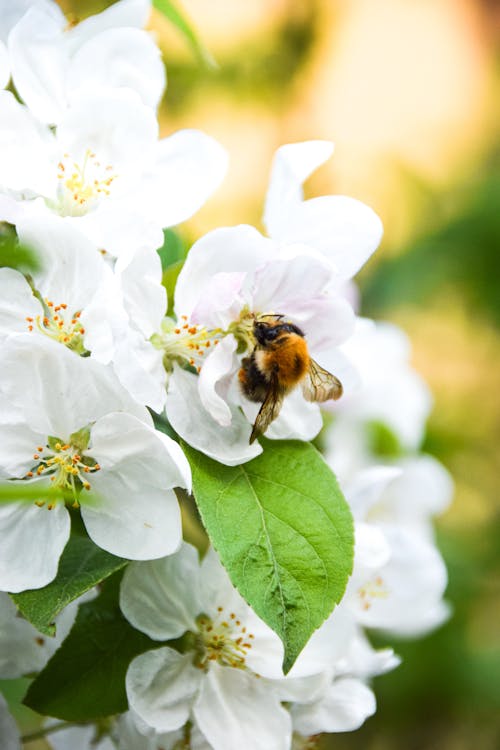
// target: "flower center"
[[223, 639], [64, 463], [373, 589], [81, 186], [184, 343], [59, 324]]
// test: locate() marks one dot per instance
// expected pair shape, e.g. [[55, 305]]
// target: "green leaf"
[[174, 15], [85, 679], [172, 250], [14, 255], [382, 440], [284, 533], [82, 566]]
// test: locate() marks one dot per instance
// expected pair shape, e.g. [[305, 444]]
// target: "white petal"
[[79, 738], [235, 709], [11, 739], [162, 598], [4, 66], [118, 228], [227, 250], [188, 417], [372, 549], [132, 13], [366, 488], [38, 61], [218, 366], [189, 167], [21, 645], [117, 127], [145, 298], [18, 444], [362, 660], [344, 708], [57, 391], [161, 685], [34, 539], [16, 302], [130, 738], [102, 63], [139, 367], [345, 230], [71, 267], [292, 165], [27, 150], [133, 486]]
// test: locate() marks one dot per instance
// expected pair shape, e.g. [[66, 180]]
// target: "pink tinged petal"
[[240, 249], [280, 284], [16, 303], [162, 598], [236, 709], [217, 368], [161, 686], [11, 739], [100, 63], [38, 61], [33, 540], [189, 166], [345, 707], [27, 150], [292, 165], [223, 301], [57, 391], [188, 417]]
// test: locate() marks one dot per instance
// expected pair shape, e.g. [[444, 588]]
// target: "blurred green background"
[[408, 90]]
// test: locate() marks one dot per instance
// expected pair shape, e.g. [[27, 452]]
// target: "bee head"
[[266, 332]]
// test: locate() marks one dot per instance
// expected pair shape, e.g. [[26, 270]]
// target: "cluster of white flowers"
[[88, 351]]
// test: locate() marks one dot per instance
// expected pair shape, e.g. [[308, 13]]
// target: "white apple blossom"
[[53, 61], [105, 170], [389, 393], [72, 296], [230, 277], [228, 680], [66, 422], [399, 577]]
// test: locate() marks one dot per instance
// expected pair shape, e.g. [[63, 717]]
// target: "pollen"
[[184, 343], [221, 639], [65, 466], [372, 590], [83, 184], [60, 325]]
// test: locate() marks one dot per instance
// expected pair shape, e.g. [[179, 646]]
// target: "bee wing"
[[320, 385], [269, 410]]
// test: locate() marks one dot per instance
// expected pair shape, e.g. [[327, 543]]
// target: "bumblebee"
[[278, 363]]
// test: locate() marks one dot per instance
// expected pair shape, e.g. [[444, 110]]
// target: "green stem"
[[44, 731]]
